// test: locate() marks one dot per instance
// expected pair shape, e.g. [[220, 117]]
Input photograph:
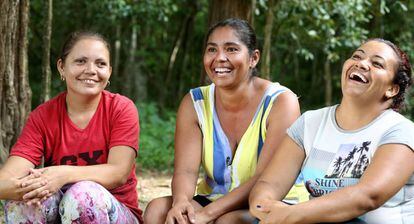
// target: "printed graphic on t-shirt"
[[345, 168], [350, 161]]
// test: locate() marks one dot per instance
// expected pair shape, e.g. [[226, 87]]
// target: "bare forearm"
[[339, 206], [263, 190], [234, 200], [107, 175], [183, 185]]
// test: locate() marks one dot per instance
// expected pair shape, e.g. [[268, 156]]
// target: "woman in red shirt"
[[88, 138]]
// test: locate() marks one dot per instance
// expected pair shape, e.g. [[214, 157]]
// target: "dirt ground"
[[150, 185]]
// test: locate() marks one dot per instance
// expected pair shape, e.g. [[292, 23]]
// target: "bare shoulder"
[[286, 102], [186, 109]]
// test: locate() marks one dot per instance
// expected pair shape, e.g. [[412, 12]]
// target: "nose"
[[363, 65], [221, 56], [90, 68]]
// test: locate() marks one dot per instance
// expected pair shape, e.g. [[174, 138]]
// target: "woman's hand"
[[201, 217], [18, 188], [49, 181], [272, 212], [181, 212]]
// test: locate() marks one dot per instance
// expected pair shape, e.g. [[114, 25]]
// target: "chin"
[[89, 92]]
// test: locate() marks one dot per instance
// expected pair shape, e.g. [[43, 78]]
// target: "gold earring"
[[62, 78]]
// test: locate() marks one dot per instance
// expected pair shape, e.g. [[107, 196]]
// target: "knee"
[[86, 196], [157, 210]]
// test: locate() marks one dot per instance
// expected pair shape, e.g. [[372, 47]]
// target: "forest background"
[[157, 48]]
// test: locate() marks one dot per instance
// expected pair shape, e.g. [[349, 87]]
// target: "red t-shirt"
[[49, 132]]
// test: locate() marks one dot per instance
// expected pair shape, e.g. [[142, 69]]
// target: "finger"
[[33, 201], [34, 193], [169, 220], [191, 214], [33, 184], [29, 181], [180, 219], [36, 172]]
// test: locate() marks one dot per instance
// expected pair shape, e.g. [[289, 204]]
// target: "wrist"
[[293, 217], [179, 198]]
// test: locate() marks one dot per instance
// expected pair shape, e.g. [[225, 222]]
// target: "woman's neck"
[[352, 116], [77, 104], [237, 98]]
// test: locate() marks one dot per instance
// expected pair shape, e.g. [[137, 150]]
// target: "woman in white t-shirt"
[[356, 158]]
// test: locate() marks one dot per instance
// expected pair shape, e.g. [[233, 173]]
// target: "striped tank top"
[[224, 171]]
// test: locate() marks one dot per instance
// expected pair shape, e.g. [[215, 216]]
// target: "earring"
[[108, 83], [62, 78]]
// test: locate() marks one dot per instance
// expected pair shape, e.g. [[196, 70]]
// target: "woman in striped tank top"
[[230, 128]]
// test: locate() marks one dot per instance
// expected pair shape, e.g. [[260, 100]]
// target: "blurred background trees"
[[157, 48]]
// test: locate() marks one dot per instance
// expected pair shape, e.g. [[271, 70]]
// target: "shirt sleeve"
[[125, 127], [30, 144], [296, 131], [401, 133]]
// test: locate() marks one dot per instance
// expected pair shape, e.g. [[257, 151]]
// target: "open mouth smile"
[[88, 81], [358, 77], [222, 70]]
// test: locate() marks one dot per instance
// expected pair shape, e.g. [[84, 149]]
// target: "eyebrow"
[[360, 50], [225, 44], [376, 56]]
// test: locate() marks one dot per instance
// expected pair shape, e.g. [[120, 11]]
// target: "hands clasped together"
[[38, 184], [183, 212]]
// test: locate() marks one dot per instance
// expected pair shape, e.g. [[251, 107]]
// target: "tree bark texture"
[[46, 71], [15, 93], [265, 69], [328, 82], [223, 9]]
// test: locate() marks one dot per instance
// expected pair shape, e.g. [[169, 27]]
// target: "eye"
[[80, 61], [101, 64], [211, 49], [232, 49], [356, 57], [378, 64]]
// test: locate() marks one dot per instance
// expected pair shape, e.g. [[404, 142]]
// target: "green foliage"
[[306, 33], [156, 150]]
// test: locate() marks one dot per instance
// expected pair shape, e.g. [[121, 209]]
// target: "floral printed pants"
[[82, 202]]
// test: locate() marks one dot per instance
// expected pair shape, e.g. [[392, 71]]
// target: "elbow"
[[369, 200], [119, 179]]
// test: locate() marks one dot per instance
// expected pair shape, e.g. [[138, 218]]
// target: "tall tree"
[[47, 33], [15, 93], [265, 67]]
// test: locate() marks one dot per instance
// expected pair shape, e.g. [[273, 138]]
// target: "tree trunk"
[[117, 52], [265, 70], [178, 44], [223, 9], [15, 93], [130, 66], [47, 33], [328, 82]]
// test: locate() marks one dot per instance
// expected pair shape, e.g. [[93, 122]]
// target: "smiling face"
[[226, 58], [86, 68], [369, 73]]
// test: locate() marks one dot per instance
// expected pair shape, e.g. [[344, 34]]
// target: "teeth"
[[222, 70], [357, 77], [89, 81]]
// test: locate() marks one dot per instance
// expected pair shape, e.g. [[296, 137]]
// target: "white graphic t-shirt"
[[336, 158]]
